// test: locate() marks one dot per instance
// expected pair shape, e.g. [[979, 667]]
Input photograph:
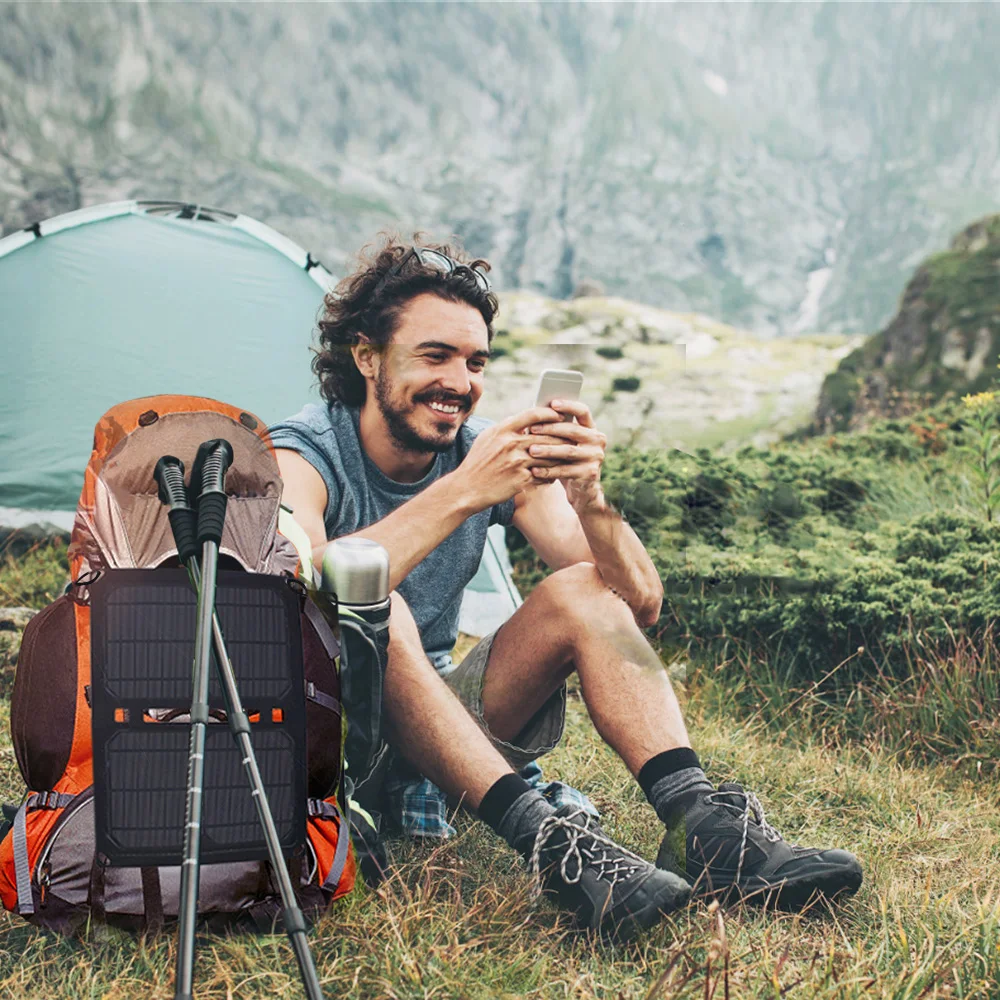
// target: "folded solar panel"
[[142, 649]]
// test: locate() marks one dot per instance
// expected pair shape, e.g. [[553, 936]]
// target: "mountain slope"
[[945, 337], [782, 167]]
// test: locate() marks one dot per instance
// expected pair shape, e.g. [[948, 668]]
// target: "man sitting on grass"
[[394, 456]]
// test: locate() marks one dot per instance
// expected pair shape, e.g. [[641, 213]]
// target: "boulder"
[[15, 541]]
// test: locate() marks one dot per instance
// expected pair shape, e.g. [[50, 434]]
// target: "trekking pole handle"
[[210, 468], [169, 476]]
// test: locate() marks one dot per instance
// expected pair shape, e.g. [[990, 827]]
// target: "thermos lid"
[[356, 570]]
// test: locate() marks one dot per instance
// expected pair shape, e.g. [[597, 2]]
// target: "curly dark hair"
[[350, 309]]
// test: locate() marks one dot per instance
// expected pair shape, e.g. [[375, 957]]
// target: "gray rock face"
[[14, 619], [780, 166]]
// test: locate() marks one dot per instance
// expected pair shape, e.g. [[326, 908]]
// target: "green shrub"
[[840, 391], [626, 383], [797, 555], [611, 353]]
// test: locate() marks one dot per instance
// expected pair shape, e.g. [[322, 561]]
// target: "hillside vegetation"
[[848, 565], [658, 379], [940, 343]]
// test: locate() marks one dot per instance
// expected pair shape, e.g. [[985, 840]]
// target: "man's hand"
[[591, 530], [570, 452], [498, 464]]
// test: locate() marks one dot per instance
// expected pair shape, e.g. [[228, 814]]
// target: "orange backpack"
[[48, 869]]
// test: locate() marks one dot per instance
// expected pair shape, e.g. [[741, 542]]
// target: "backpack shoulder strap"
[[296, 534]]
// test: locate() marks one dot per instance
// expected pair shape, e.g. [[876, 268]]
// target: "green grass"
[[36, 579], [725, 435], [456, 919]]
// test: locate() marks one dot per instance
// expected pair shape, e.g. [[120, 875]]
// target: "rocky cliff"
[[945, 337], [782, 167]]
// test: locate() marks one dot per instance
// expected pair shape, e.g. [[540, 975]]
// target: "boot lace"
[[751, 807], [585, 847]]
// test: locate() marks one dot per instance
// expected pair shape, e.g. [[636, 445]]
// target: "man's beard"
[[396, 418]]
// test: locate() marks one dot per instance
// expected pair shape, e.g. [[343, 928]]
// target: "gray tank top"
[[359, 494]]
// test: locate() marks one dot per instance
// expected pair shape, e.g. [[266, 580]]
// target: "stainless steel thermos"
[[357, 571]]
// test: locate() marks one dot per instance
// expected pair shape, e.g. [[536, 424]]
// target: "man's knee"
[[578, 592]]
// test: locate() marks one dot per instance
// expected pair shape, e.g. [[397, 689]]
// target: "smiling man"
[[395, 455]]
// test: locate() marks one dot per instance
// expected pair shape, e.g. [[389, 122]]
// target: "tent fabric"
[[135, 299], [139, 305], [491, 596]]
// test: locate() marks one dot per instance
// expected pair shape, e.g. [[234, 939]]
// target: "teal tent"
[[136, 299], [139, 298], [491, 597]]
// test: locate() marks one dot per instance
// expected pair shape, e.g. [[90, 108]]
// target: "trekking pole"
[[170, 475], [214, 458]]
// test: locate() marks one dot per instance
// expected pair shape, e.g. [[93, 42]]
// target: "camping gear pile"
[[137, 808]]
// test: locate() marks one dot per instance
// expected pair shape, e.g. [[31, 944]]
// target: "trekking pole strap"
[[169, 476]]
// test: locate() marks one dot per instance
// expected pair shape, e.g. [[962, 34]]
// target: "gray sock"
[[671, 793], [521, 821]]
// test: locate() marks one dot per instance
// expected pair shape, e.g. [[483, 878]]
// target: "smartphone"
[[556, 383]]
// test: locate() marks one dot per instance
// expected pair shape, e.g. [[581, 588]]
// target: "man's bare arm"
[[572, 453], [409, 533], [596, 533], [623, 560]]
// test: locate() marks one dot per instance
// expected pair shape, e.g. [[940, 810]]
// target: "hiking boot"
[[723, 844], [609, 889]]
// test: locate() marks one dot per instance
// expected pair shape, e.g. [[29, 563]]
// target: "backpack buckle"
[[321, 809]]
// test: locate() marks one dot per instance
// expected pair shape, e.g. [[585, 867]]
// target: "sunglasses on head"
[[435, 260]]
